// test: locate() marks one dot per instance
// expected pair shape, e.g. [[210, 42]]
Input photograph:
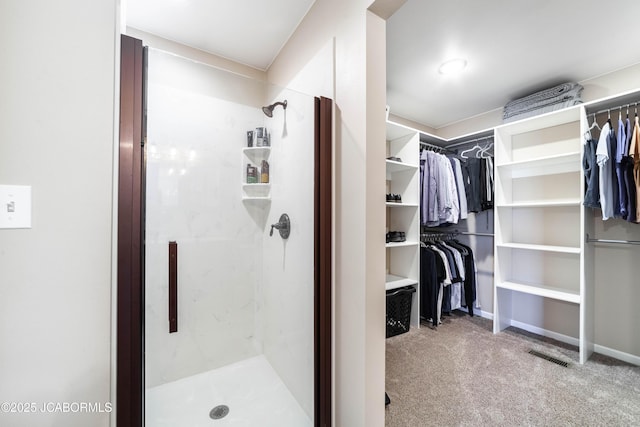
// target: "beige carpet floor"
[[462, 374]]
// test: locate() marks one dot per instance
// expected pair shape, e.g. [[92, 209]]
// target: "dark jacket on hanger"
[[621, 167], [472, 179], [469, 276], [613, 148], [628, 177], [591, 175], [432, 273]]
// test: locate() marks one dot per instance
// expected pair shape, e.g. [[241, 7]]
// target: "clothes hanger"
[[477, 146], [467, 151], [479, 152], [484, 152], [587, 134]]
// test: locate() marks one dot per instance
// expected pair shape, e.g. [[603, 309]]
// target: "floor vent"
[[549, 358]]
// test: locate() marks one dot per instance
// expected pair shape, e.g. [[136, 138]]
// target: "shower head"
[[268, 110]]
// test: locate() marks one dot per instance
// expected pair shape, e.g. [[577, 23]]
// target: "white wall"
[[598, 87], [197, 121], [375, 184], [616, 286], [196, 54], [358, 92], [57, 135]]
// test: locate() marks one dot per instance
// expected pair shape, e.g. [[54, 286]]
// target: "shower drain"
[[218, 412]]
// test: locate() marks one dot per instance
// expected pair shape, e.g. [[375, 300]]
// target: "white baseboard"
[[484, 314], [606, 351], [478, 312], [546, 333], [616, 354]]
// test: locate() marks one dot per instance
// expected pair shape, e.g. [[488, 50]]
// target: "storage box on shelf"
[[539, 220]]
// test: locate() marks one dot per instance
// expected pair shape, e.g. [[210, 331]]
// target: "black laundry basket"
[[399, 310]]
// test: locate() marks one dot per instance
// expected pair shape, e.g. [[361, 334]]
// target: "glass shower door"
[[243, 352]]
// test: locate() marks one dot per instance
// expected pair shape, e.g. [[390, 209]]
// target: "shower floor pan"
[[251, 389]]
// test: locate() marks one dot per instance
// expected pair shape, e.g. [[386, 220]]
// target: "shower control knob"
[[283, 226]]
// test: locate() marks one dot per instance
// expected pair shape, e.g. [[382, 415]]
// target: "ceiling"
[[513, 47], [251, 32]]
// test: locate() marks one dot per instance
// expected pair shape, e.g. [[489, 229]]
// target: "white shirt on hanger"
[[462, 193], [605, 164]]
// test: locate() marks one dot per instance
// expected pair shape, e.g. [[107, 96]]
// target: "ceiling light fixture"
[[453, 66]]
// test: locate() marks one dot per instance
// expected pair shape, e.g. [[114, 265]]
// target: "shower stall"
[[242, 302]]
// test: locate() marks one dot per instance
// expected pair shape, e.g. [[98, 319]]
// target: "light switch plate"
[[15, 206]]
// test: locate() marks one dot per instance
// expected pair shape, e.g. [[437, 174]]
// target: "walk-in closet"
[[540, 247], [526, 225], [533, 252]]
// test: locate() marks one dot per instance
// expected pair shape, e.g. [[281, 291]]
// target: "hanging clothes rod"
[[618, 242], [484, 138], [626, 107], [438, 236], [457, 232], [437, 147], [477, 234]]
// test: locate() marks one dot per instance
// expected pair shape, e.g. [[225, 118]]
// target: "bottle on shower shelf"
[[252, 174], [259, 135], [264, 172]]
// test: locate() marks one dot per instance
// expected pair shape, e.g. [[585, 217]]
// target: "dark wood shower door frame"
[[322, 261], [129, 408], [129, 405]]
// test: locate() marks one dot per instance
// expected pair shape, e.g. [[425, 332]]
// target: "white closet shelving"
[[403, 178], [544, 266], [540, 222]]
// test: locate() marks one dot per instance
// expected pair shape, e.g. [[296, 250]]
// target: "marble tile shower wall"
[[194, 168], [286, 301]]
